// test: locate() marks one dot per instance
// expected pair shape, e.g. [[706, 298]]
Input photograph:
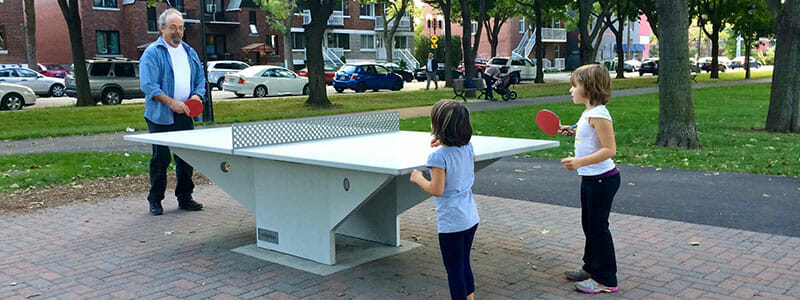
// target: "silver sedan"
[[15, 96], [40, 84]]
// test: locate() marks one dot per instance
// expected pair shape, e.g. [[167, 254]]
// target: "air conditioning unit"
[[211, 8]]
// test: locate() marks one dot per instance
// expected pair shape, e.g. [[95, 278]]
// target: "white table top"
[[394, 153]]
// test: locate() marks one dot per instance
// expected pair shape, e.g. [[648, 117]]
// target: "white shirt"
[[587, 141], [182, 71]]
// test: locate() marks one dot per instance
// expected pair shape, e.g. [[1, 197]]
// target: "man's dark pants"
[[488, 80], [161, 160]]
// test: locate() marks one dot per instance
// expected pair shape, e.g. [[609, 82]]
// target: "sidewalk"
[[114, 249], [112, 142]]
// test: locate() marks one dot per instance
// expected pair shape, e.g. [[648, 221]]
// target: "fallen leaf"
[[521, 179], [631, 183], [694, 243], [545, 231], [519, 171], [167, 232], [765, 195]]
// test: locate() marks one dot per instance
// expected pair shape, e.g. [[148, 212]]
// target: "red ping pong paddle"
[[549, 122], [195, 107]]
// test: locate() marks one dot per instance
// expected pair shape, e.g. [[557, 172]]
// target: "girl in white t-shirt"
[[594, 147]]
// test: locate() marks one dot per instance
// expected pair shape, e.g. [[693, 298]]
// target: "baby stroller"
[[503, 87]]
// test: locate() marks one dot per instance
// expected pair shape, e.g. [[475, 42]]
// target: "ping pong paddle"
[[549, 122], [195, 107]]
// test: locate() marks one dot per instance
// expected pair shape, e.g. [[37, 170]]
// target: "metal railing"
[[332, 56], [405, 23], [517, 52], [398, 55], [336, 18]]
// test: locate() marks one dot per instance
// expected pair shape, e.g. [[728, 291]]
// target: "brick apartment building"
[[235, 29], [12, 32], [554, 37]]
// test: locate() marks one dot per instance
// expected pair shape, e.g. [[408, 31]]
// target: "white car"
[[15, 96], [262, 81], [218, 68], [40, 84], [519, 68]]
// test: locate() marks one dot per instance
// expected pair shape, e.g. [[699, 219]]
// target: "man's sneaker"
[[155, 208], [590, 286], [190, 205], [577, 275]]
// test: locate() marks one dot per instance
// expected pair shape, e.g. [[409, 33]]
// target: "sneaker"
[[190, 205], [155, 208], [577, 275], [590, 286]]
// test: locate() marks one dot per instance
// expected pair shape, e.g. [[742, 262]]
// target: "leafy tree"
[[623, 11], [751, 21], [676, 123], [30, 33], [496, 17], [445, 6], [321, 10], [279, 16], [784, 99], [589, 16], [394, 10], [538, 10], [715, 12]]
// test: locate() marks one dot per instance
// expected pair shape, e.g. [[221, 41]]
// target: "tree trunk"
[[620, 52], [492, 34], [584, 40], [715, 52], [288, 55], [30, 34], [676, 123], [320, 12], [747, 47], [784, 98], [537, 6], [448, 37], [388, 43], [477, 40], [466, 40], [73, 18]]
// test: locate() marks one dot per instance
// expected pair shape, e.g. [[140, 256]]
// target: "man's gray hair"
[[162, 19]]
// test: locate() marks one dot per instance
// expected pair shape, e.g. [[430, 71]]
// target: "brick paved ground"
[[113, 249]]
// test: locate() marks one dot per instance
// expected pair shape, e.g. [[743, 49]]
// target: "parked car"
[[650, 66], [518, 68], [218, 68], [330, 72], [421, 75], [41, 85], [15, 96], [52, 70], [110, 80], [366, 76], [480, 66], [705, 63], [738, 62], [407, 76], [635, 65], [263, 80]]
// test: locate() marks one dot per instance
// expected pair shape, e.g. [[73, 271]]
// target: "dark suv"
[[110, 80]]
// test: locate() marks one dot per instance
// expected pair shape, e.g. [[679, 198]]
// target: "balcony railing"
[[405, 23], [336, 18], [554, 35]]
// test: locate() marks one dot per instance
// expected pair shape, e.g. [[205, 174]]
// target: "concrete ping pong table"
[[307, 180]]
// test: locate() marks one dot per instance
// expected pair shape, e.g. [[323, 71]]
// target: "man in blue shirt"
[[170, 73]]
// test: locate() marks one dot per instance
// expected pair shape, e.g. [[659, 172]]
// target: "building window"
[[107, 42], [2, 37], [298, 40], [400, 42], [367, 41], [339, 40], [367, 10], [522, 25], [215, 46], [253, 24], [152, 23], [474, 27], [105, 3], [176, 4]]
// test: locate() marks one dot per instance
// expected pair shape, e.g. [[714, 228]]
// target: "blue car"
[[366, 76]]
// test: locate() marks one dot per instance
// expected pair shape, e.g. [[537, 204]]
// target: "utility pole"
[[208, 108]]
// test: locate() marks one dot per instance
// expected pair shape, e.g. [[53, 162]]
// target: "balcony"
[[557, 35], [336, 18], [405, 24]]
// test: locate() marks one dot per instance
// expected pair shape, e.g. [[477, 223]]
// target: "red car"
[[52, 70], [480, 66], [330, 72]]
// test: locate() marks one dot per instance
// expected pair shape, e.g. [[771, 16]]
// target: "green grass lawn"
[[729, 123], [70, 120]]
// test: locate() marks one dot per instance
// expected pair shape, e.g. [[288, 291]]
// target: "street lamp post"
[[208, 108]]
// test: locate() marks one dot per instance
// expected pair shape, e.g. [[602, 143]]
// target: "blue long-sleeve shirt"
[[156, 77]]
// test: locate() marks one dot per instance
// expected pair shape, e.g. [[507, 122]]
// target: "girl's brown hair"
[[450, 123], [595, 81]]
